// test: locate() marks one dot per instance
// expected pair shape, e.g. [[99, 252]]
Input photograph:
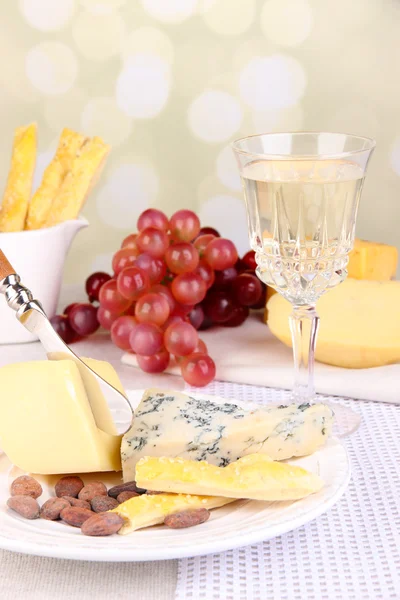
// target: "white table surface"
[[38, 578]]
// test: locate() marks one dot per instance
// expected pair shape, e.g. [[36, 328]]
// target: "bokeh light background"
[[170, 83]]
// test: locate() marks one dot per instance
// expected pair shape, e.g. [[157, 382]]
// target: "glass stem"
[[304, 323]]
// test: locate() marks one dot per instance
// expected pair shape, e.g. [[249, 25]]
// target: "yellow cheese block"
[[147, 510], [359, 327], [46, 423], [372, 261], [255, 476]]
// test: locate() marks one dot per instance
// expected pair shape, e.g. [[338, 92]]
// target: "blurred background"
[[170, 83]]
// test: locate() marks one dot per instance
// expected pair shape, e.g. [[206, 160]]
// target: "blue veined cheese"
[[173, 424]]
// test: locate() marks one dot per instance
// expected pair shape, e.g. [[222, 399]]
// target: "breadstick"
[[41, 203], [19, 183], [78, 182]]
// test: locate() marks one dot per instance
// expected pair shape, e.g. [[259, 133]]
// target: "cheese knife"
[[31, 315]]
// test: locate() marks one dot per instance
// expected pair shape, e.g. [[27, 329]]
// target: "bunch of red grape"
[[170, 280]]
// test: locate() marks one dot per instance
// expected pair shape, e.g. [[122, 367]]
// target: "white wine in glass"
[[302, 192]]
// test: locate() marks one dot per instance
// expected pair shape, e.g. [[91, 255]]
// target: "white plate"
[[239, 524]]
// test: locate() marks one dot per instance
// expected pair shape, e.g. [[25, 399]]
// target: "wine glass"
[[302, 192]]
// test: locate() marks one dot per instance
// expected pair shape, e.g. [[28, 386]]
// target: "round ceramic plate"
[[239, 524]]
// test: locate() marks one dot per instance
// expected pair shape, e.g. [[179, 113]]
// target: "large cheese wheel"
[[359, 327]]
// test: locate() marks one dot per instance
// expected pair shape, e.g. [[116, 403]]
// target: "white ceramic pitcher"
[[38, 256]]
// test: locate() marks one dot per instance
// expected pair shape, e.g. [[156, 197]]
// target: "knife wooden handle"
[[5, 267]]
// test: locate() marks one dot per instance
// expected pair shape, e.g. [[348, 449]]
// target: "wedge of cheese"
[[173, 424], [255, 476], [46, 423], [147, 510], [359, 326], [372, 261]]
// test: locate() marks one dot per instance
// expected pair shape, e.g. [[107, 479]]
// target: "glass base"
[[346, 421]]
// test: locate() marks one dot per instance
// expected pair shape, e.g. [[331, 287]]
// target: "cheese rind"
[[255, 477], [46, 423], [359, 324], [147, 510], [173, 424]]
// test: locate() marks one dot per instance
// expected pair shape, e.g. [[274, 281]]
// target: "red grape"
[[146, 339], [130, 242], [130, 311], [110, 297], [247, 289], [132, 282], [262, 300], [154, 364], [181, 339], [201, 242], [68, 308], [62, 326], [105, 317], [94, 283], [201, 348], [123, 258], [153, 241], [196, 316], [153, 218], [183, 310], [83, 319], [181, 257], [120, 331], [189, 288], [154, 267], [221, 254], [172, 319], [206, 273], [239, 315], [206, 230], [152, 308], [198, 369], [249, 259], [158, 288], [206, 324], [219, 306], [240, 266], [225, 278], [184, 225]]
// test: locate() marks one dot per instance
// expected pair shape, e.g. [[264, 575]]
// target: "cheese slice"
[[173, 424], [46, 423], [359, 325], [147, 510], [255, 476], [372, 261]]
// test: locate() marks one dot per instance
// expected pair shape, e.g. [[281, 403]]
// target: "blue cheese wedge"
[[171, 424], [255, 477]]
